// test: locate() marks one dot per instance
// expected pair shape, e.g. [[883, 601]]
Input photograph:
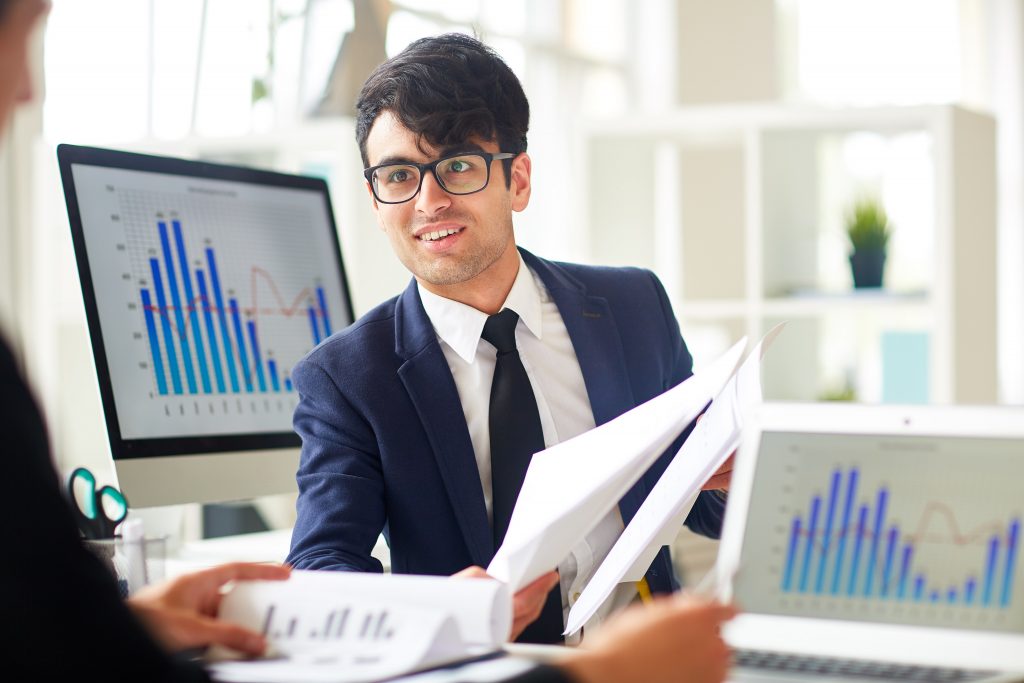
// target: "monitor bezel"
[[120, 447]]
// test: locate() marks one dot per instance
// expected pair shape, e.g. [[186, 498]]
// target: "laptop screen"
[[906, 530]]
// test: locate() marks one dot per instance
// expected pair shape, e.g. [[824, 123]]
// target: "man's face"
[[16, 24], [481, 239]]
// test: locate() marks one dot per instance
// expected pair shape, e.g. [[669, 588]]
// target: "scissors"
[[98, 511]]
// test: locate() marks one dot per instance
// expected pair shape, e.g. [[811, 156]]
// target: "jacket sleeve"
[[341, 508], [707, 514]]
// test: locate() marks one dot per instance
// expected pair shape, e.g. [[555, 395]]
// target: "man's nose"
[[432, 197]]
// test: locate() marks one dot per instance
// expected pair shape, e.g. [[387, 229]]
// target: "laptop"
[[877, 543]]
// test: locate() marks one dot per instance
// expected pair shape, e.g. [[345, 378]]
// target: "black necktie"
[[516, 434]]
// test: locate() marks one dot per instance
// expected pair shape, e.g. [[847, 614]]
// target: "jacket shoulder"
[[372, 334]]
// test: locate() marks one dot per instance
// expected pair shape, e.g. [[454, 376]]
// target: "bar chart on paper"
[[867, 530], [217, 288]]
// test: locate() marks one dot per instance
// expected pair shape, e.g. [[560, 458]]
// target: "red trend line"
[[200, 303], [922, 531]]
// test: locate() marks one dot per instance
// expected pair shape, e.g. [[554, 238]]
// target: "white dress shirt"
[[554, 371]]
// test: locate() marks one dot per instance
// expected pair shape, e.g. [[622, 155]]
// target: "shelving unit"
[[739, 210]]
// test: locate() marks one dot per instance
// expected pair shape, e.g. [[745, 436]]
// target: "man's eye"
[[400, 176], [459, 166]]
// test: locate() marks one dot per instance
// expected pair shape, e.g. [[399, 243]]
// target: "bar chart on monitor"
[[216, 289], [916, 537], [842, 548]]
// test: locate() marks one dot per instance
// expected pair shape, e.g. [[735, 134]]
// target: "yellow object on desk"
[[645, 591]]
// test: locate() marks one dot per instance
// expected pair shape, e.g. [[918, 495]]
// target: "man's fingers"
[[541, 584], [536, 590], [719, 481], [211, 632], [473, 572]]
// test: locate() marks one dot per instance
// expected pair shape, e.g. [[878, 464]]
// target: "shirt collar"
[[460, 326]]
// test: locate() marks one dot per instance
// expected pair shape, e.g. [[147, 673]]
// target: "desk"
[[520, 658], [261, 546]]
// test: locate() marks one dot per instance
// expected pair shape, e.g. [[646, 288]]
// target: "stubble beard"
[[452, 270]]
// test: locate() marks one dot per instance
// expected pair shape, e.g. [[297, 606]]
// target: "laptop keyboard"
[[780, 662]]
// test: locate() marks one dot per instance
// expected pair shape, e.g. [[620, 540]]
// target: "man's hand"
[[674, 639], [526, 604], [723, 477], [182, 613]]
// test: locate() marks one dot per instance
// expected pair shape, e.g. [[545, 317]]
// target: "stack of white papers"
[[661, 516], [602, 464], [347, 627]]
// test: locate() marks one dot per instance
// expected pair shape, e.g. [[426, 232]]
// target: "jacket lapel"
[[598, 345], [431, 388]]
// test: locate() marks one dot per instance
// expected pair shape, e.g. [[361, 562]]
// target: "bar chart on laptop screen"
[[901, 530], [208, 293]]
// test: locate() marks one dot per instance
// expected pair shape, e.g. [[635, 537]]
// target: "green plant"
[[867, 225]]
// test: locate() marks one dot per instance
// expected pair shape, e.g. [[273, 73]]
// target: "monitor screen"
[[204, 284], [915, 530]]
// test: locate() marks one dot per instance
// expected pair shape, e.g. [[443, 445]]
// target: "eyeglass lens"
[[458, 175]]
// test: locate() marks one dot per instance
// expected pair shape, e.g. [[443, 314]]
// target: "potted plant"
[[867, 226]]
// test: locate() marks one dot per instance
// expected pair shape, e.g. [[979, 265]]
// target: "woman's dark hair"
[[447, 89]]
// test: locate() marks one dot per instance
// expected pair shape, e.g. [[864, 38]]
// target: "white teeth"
[[437, 234]]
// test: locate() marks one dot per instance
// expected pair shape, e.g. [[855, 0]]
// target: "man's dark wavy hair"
[[447, 89]]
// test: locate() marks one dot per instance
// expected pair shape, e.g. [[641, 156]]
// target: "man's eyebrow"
[[461, 147], [448, 151], [394, 160]]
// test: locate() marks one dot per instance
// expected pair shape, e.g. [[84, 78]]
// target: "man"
[[66, 620], [421, 418]]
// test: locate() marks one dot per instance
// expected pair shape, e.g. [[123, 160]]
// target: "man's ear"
[[375, 205], [520, 185]]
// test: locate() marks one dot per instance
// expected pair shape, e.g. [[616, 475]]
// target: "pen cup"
[[133, 564]]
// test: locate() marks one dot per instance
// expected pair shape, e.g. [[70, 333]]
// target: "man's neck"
[[487, 291]]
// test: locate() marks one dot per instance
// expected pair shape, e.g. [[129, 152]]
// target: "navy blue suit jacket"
[[385, 444]]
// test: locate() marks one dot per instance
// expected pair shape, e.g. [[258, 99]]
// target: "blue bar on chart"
[[858, 543], [844, 530], [218, 297], [323, 311], [210, 332], [809, 549], [272, 369], [314, 325], [186, 279], [243, 356], [172, 284], [1011, 560], [969, 587], [826, 537], [919, 581], [876, 537], [794, 541], [990, 570], [165, 323], [257, 361], [890, 551], [908, 554], [287, 383], [154, 343]]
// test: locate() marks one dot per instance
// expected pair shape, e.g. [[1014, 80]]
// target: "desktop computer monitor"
[[204, 284]]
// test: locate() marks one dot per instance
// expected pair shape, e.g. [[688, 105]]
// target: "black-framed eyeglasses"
[[457, 174]]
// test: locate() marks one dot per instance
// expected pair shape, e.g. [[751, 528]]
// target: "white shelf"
[[735, 205], [852, 302]]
